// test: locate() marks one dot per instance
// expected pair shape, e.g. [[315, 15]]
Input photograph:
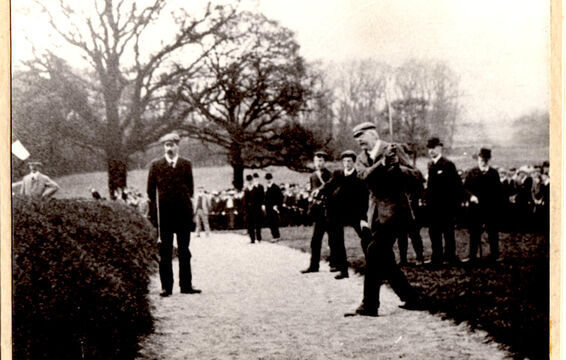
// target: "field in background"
[[220, 177]]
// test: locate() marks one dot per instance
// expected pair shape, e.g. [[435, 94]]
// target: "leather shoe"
[[342, 275], [309, 270], [191, 291], [165, 293], [363, 311]]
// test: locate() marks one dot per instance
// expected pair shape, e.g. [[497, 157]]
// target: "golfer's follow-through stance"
[[170, 189]]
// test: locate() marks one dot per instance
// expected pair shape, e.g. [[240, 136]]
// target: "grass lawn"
[[509, 299]]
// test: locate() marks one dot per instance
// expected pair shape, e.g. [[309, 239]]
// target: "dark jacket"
[[253, 199], [444, 191], [487, 188], [390, 185], [273, 197], [347, 197], [174, 187]]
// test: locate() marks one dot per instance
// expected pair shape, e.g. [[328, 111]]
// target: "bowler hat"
[[249, 177], [433, 142], [173, 137], [348, 153], [268, 176], [321, 154], [360, 128], [485, 153]]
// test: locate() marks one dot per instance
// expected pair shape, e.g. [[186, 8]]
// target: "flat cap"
[[433, 142], [321, 154], [174, 137], [360, 128], [348, 153]]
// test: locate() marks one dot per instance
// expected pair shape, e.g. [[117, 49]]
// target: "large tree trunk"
[[238, 177], [117, 173], [237, 165]]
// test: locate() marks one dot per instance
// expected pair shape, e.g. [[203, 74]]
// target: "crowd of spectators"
[[526, 202]]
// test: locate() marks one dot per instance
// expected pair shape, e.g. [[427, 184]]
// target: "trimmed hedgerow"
[[81, 275]]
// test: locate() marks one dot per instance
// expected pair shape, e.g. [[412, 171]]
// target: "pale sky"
[[499, 48]]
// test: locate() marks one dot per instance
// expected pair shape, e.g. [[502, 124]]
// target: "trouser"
[[412, 232], [476, 230], [201, 220], [439, 227], [165, 264], [336, 242], [381, 266], [273, 222], [320, 226], [254, 225]]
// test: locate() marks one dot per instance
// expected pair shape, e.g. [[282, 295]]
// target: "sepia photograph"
[[263, 179]]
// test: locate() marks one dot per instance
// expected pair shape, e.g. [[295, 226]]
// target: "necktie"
[[370, 160]]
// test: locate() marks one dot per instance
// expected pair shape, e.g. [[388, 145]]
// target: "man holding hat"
[[443, 197], [37, 185], [387, 172], [483, 187], [346, 206], [317, 210], [170, 190]]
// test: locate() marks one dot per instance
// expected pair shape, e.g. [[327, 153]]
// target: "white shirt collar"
[[174, 160], [484, 169], [349, 172], [436, 158], [375, 150]]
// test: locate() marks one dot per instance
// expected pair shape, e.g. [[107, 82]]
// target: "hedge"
[[81, 273]]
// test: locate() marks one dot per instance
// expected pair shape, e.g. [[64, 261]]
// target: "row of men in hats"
[[377, 193]]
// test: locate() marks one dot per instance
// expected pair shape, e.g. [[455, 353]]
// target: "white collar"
[[349, 172], [373, 153], [435, 159], [174, 160], [484, 169]]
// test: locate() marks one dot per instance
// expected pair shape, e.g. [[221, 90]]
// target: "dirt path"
[[256, 305]]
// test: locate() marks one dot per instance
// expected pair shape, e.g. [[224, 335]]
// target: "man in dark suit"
[[317, 210], [273, 205], [483, 187], [170, 189], [444, 195], [346, 206], [387, 172], [253, 200]]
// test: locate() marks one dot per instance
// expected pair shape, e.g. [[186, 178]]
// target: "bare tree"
[[122, 106], [246, 94]]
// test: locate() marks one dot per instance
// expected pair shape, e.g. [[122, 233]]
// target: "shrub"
[[81, 276]]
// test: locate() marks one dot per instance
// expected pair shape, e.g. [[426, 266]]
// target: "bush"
[[81, 276]]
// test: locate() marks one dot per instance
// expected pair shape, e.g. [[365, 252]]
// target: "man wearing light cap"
[[389, 176], [170, 190], [37, 185]]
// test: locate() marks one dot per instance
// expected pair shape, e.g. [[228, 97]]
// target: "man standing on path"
[[253, 200], [202, 208], [386, 170], [170, 189], [347, 206], [273, 202], [483, 187], [37, 185], [443, 197], [317, 210]]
